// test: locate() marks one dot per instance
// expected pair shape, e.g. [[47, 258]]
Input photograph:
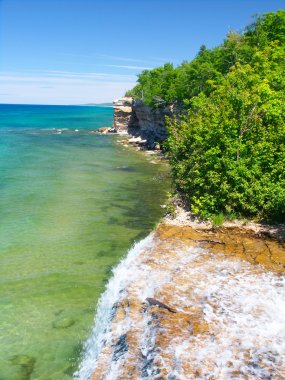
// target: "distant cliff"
[[135, 118]]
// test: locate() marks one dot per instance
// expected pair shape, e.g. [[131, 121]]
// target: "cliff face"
[[137, 119], [123, 114]]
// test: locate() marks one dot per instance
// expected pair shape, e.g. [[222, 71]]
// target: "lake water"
[[72, 203]]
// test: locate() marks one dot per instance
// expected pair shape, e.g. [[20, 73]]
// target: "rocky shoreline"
[[193, 300], [145, 126], [138, 126], [136, 143], [181, 295], [184, 218]]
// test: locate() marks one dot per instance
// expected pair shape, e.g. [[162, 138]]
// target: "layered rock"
[[137, 119], [123, 114], [195, 304]]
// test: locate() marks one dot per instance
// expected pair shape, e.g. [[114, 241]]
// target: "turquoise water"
[[71, 204]]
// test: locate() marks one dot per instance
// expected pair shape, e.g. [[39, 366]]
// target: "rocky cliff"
[[135, 118], [193, 304], [123, 114]]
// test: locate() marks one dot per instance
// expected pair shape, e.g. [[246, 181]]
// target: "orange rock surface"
[[148, 341]]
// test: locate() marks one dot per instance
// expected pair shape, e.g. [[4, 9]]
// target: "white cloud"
[[70, 76], [154, 60], [130, 67], [115, 58], [62, 87]]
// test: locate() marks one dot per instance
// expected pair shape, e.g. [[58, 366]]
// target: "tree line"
[[227, 150]]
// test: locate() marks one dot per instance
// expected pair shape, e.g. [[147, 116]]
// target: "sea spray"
[[229, 320], [123, 274]]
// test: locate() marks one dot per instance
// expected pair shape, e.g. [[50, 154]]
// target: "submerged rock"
[[26, 365], [105, 130], [63, 323]]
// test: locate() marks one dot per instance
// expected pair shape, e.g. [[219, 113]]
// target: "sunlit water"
[[71, 204]]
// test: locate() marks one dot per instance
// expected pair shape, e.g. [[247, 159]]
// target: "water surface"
[[71, 204]]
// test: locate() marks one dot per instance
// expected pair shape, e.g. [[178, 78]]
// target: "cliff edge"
[[133, 117], [189, 304]]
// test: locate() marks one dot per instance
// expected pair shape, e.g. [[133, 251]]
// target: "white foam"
[[245, 309], [126, 272], [243, 305]]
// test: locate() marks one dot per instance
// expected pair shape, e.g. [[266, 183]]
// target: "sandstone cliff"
[[123, 114], [193, 304], [135, 118]]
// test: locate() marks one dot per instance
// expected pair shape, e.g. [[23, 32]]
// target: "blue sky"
[[83, 51]]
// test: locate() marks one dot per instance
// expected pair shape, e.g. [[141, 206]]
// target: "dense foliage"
[[228, 153]]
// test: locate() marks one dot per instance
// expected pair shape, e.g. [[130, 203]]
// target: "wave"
[[229, 320], [123, 274]]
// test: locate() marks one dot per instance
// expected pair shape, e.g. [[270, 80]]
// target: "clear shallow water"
[[71, 205]]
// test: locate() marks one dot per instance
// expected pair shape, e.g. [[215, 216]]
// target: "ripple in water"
[[67, 216]]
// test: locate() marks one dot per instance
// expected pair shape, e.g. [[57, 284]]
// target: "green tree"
[[228, 153]]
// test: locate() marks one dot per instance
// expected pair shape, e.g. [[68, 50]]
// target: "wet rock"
[[154, 302], [113, 220], [26, 365], [235, 242], [63, 323], [120, 348], [148, 369], [58, 312], [129, 169], [103, 253], [105, 130], [215, 276], [70, 371], [79, 262], [157, 147], [147, 364], [210, 241]]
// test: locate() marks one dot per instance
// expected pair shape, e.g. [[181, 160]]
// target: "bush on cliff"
[[228, 154]]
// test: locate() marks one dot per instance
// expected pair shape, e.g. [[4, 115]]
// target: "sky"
[[90, 51]]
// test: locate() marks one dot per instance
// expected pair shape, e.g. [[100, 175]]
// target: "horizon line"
[[50, 104]]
